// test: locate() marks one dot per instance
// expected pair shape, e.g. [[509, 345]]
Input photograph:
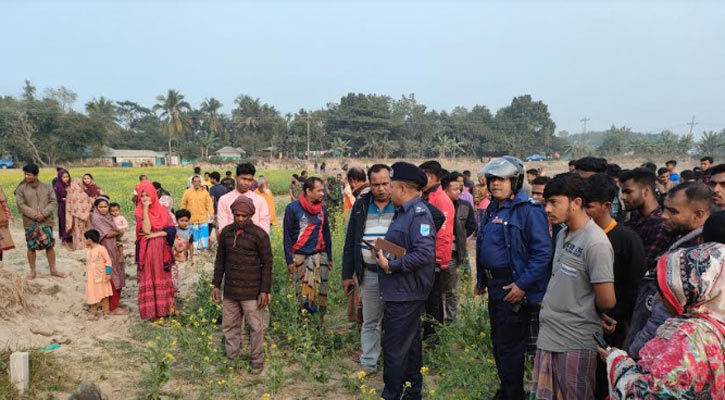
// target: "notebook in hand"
[[390, 249]]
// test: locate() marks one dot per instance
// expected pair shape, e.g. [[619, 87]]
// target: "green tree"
[[525, 123], [362, 119], [103, 111], [340, 146], [174, 113], [212, 118], [447, 145], [616, 141], [711, 142]]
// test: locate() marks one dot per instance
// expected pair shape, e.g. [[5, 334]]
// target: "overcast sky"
[[649, 65]]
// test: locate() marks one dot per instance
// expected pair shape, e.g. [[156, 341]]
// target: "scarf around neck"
[[313, 209]]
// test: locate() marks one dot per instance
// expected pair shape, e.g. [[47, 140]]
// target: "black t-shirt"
[[629, 268]]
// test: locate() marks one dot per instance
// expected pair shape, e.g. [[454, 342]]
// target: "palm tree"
[[174, 114], [104, 111], [247, 117], [711, 142], [212, 118], [207, 140]]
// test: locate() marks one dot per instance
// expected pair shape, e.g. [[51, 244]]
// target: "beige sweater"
[[34, 199]]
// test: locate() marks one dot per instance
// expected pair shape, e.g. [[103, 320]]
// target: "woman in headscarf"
[[77, 214], [102, 221], [686, 359], [91, 189], [61, 185], [155, 235]]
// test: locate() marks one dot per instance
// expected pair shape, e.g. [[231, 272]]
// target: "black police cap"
[[407, 172]]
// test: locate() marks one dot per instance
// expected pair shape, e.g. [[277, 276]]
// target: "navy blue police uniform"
[[405, 288]]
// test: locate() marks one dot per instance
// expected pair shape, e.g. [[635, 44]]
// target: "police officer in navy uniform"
[[513, 262], [405, 282]]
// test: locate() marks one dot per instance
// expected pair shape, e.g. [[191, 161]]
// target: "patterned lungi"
[[562, 376], [311, 281]]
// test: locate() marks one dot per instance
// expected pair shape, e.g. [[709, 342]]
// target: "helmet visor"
[[500, 168]]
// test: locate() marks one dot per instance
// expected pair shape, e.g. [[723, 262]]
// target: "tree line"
[[46, 129]]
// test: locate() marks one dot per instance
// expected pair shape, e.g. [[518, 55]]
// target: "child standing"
[[121, 224], [183, 245], [97, 272]]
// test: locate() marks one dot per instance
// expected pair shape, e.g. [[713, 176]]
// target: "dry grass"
[[46, 376], [13, 291]]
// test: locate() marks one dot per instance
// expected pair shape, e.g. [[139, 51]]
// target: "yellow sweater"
[[199, 204], [269, 197]]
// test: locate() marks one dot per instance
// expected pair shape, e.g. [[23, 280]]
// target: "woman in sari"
[[102, 221], [61, 186], [155, 236], [78, 214], [6, 241], [686, 359]]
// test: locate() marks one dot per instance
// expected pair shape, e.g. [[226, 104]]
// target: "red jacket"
[[444, 237]]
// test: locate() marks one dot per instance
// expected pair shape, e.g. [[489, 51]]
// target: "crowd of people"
[[610, 279]]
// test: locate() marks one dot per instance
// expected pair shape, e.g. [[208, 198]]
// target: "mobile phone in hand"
[[600, 340]]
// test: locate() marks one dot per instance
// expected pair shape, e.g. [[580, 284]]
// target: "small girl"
[[97, 273]]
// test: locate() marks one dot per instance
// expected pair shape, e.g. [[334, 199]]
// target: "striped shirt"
[[376, 226]]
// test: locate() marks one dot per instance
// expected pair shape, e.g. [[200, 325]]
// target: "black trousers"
[[402, 350], [510, 330], [434, 305]]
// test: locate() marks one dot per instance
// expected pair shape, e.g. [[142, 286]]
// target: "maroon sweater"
[[244, 262]]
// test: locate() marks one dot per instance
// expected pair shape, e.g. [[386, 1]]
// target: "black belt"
[[498, 273], [371, 267]]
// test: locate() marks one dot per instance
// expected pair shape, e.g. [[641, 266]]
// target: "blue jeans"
[[510, 335], [372, 310], [402, 350]]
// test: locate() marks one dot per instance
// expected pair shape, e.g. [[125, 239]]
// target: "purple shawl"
[[60, 188]]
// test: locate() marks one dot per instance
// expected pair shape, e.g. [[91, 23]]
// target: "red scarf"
[[158, 214], [313, 209]]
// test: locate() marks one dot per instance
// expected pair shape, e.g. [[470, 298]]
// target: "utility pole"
[[308, 137], [584, 123], [692, 124]]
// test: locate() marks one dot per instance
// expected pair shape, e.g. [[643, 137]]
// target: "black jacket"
[[352, 261], [463, 228]]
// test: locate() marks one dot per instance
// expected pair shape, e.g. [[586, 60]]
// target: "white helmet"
[[507, 167]]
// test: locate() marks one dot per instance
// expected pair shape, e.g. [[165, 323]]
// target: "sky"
[[648, 65]]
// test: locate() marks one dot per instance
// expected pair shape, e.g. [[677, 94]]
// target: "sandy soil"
[[55, 311]]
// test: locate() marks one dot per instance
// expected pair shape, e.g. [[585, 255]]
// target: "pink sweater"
[[261, 216]]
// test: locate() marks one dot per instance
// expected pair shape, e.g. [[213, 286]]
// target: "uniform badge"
[[424, 229]]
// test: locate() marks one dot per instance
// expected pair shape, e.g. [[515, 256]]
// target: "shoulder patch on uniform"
[[424, 229], [420, 210]]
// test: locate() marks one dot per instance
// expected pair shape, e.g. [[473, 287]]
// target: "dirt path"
[[56, 311]]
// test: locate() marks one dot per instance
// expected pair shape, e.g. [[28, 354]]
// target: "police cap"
[[407, 172]]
